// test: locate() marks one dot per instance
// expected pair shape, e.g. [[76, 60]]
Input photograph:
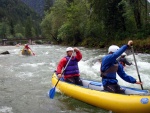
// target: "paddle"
[[136, 67], [32, 52], [52, 91]]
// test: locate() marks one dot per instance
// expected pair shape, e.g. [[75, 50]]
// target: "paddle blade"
[[52, 93]]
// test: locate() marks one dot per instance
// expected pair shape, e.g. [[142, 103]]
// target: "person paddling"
[[71, 73], [26, 47], [110, 66], [123, 60]]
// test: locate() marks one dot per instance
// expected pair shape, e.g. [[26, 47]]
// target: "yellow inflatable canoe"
[[135, 100], [26, 52]]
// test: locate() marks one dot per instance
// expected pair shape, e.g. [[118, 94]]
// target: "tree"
[[12, 31], [4, 30], [54, 19], [48, 4], [28, 28], [137, 15], [19, 29]]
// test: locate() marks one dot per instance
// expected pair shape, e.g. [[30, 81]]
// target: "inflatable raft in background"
[[26, 52], [134, 101]]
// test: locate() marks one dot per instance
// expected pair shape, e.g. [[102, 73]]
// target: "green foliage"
[[139, 45], [54, 19], [10, 36], [66, 22], [39, 42], [72, 30], [28, 28], [4, 29], [49, 4], [16, 11], [129, 17], [37, 5], [94, 29], [19, 29], [18, 35], [14, 14], [93, 42], [95, 23]]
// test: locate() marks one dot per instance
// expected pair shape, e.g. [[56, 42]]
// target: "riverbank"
[[140, 46]]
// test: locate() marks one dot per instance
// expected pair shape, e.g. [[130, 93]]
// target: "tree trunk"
[[136, 11]]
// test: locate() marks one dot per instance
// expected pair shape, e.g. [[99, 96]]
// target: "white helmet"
[[113, 48], [123, 54], [69, 49]]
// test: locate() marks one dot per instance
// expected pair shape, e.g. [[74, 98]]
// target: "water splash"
[[5, 109]]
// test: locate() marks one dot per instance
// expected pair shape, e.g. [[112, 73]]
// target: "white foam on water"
[[5, 109], [24, 75], [15, 51], [53, 64], [46, 53], [88, 70], [91, 68], [96, 66], [33, 65], [143, 68]]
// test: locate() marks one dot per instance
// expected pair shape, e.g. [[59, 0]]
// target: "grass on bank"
[[141, 46]]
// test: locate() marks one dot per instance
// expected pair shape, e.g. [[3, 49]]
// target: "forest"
[[98, 23], [88, 23], [17, 20]]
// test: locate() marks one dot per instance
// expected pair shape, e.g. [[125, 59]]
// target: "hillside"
[[37, 5], [17, 20], [15, 11]]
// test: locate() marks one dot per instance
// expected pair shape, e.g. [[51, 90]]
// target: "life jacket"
[[110, 72], [72, 67]]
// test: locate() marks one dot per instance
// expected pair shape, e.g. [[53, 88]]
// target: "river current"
[[25, 80]]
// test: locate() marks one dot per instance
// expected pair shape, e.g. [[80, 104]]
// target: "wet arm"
[[61, 65], [124, 76], [110, 59], [116, 54], [78, 55]]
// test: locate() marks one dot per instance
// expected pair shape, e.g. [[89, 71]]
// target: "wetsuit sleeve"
[[124, 76], [61, 65], [110, 59], [116, 54], [78, 55]]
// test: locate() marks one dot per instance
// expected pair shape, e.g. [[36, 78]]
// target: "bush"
[[90, 42], [39, 42]]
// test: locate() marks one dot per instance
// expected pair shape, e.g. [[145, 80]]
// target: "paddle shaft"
[[32, 51], [64, 68], [136, 67]]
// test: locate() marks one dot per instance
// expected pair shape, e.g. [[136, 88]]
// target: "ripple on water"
[[5, 109]]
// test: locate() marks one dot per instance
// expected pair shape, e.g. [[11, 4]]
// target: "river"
[[25, 80]]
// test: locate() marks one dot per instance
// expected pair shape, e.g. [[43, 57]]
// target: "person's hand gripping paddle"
[[52, 91]]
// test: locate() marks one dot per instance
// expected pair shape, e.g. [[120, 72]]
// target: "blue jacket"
[[110, 60]]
